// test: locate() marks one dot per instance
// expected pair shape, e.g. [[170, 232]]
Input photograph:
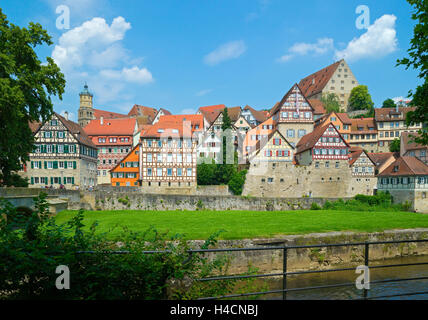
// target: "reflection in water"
[[351, 292]]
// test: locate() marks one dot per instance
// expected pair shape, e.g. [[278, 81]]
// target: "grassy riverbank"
[[247, 224]]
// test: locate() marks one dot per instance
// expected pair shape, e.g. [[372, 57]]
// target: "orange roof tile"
[[121, 126], [196, 120]]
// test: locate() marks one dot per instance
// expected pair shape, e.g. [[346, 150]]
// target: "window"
[[179, 172], [149, 157], [159, 157], [301, 133], [270, 180], [60, 134], [169, 172], [159, 143], [179, 158], [159, 172], [60, 148], [189, 172], [149, 172], [290, 133], [189, 158], [169, 158], [295, 115], [327, 164], [317, 164]]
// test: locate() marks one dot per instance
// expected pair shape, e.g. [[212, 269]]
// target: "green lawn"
[[248, 224]]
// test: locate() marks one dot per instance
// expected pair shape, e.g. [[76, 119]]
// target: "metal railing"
[[285, 273]]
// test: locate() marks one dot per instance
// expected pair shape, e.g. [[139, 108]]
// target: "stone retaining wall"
[[320, 258]]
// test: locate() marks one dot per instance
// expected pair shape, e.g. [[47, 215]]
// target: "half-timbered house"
[[363, 170], [114, 139], [64, 156], [294, 115], [168, 155]]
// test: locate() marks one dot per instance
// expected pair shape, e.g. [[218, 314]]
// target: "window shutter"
[[280, 141], [277, 153], [32, 166], [51, 180], [65, 164], [55, 164], [65, 180], [72, 180], [32, 180], [46, 180], [46, 165], [40, 164], [66, 148], [74, 165]]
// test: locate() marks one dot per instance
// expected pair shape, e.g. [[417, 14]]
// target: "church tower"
[[86, 107]]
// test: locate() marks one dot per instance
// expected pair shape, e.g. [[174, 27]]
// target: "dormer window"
[[396, 168], [161, 130]]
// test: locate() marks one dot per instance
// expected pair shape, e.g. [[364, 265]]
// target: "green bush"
[[236, 183], [315, 206], [380, 202], [31, 248]]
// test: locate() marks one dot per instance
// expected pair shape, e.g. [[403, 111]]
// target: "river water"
[[351, 292]]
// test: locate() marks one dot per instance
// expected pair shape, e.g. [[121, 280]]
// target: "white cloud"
[[93, 52], [227, 51], [378, 41], [203, 92], [322, 46], [93, 40], [134, 74]]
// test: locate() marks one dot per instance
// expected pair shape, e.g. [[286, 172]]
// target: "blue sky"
[[182, 54]]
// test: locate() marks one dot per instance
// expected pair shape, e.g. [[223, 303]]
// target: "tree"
[[331, 102], [26, 87], [360, 99], [395, 146], [418, 60], [389, 103]]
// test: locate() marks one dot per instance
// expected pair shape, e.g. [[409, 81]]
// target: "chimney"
[[313, 81], [102, 120], [396, 107], [66, 115]]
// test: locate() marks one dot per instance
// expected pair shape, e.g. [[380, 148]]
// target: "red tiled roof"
[[195, 120], [168, 129], [318, 106], [260, 116], [107, 114], [121, 126], [365, 124], [406, 166], [344, 118], [317, 81], [308, 141], [386, 114], [211, 112], [138, 110], [77, 131], [354, 155], [234, 113], [380, 158]]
